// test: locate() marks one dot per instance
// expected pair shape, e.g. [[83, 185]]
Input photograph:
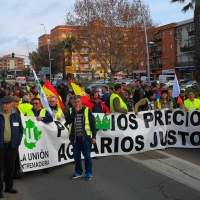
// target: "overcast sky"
[[22, 18]]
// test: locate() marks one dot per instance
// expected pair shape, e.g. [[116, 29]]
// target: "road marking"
[[174, 168]]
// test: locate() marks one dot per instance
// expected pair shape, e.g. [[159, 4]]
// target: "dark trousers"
[[85, 148], [7, 160]]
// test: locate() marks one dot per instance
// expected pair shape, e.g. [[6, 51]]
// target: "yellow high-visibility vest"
[[87, 123], [31, 114], [122, 104]]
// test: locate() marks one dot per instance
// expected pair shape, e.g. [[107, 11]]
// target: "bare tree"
[[112, 29]]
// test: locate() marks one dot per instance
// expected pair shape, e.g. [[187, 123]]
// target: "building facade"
[[162, 48], [185, 65], [81, 64], [10, 65]]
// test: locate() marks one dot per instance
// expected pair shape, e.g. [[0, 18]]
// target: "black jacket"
[[71, 117], [138, 95]]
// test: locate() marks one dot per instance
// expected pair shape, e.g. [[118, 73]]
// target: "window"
[[170, 34], [163, 60], [63, 32], [163, 47], [48, 41], [171, 61], [142, 63], [163, 34], [170, 48]]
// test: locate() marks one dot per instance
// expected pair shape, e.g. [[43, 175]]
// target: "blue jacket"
[[16, 129], [71, 117], [47, 119]]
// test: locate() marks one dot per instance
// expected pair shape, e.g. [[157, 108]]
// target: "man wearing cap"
[[15, 104], [139, 92], [181, 98], [11, 134]]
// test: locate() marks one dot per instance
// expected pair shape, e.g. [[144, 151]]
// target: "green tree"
[[194, 5], [69, 45], [93, 71]]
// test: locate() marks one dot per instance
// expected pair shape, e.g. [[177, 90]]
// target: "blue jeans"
[[85, 148]]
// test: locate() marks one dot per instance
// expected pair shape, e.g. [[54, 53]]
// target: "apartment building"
[[162, 48], [81, 64], [11, 65], [185, 65]]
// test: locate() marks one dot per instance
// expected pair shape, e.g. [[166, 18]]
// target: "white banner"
[[46, 145]]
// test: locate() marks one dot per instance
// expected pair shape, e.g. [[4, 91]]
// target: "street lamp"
[[26, 45], [146, 42], [49, 53]]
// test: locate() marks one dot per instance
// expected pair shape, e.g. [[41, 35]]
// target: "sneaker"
[[88, 176], [76, 175]]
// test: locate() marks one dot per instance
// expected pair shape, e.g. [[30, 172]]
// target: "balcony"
[[157, 40], [191, 33], [84, 54], [155, 54], [186, 49], [179, 36], [155, 66], [185, 64], [84, 61]]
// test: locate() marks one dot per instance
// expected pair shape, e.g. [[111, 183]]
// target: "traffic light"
[[13, 55]]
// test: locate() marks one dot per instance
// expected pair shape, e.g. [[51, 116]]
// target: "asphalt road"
[[154, 175]]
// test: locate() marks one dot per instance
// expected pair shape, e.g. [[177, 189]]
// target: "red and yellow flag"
[[50, 91], [79, 91]]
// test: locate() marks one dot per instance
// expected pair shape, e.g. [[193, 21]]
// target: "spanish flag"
[[79, 91], [50, 91]]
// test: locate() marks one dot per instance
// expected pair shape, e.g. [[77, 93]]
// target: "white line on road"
[[174, 168]]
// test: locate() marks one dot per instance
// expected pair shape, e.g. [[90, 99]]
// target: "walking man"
[[82, 133]]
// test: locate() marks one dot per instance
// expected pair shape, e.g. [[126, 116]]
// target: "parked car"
[[183, 81], [98, 86], [56, 83], [188, 84]]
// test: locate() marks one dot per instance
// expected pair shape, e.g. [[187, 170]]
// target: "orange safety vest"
[[180, 102]]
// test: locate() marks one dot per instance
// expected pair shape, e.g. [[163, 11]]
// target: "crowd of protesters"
[[25, 101]]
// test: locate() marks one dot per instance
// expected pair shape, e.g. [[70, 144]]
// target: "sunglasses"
[[51, 101], [182, 91]]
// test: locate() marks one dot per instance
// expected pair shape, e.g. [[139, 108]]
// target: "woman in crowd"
[[128, 101], [163, 102]]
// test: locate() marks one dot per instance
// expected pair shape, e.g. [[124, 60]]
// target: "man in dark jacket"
[[139, 92], [63, 92], [11, 133], [82, 133]]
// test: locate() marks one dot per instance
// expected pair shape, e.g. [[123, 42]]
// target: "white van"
[[165, 78], [21, 80]]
